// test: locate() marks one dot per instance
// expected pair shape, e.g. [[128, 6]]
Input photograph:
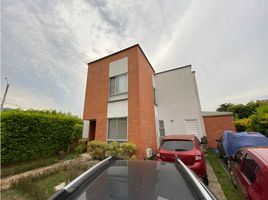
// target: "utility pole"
[[5, 95]]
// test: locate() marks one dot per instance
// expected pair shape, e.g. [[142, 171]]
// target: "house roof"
[[212, 113], [136, 45]]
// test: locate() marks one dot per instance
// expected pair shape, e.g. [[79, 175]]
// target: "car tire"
[[205, 180]]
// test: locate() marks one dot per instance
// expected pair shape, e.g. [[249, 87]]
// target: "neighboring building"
[[215, 124], [126, 101]]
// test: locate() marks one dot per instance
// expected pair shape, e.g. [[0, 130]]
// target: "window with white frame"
[[161, 128], [118, 84], [117, 129]]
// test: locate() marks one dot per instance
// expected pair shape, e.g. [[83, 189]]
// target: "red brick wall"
[[215, 125], [141, 123]]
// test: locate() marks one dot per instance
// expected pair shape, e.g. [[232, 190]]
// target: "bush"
[[259, 120], [242, 124], [82, 146], [128, 150], [27, 135], [97, 149]]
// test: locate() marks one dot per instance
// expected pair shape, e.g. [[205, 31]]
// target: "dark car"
[[187, 148], [135, 179], [249, 172]]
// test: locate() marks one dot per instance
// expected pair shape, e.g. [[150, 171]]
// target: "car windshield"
[[177, 145]]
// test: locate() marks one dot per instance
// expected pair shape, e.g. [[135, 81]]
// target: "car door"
[[247, 177], [235, 170]]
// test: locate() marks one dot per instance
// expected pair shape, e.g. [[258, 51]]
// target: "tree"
[[259, 120], [224, 107]]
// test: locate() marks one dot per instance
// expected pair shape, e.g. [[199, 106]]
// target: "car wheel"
[[205, 180]]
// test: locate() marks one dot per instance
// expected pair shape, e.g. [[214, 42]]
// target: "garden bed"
[[42, 187]]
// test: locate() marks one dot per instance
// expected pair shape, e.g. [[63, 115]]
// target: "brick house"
[[126, 100]]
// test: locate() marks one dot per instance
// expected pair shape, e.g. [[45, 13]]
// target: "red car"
[[249, 172], [187, 148]]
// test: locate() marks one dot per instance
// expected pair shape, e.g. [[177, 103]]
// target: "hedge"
[[27, 135]]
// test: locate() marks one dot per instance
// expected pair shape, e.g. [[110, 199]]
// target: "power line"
[[44, 52]]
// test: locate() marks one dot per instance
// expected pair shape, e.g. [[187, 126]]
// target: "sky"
[[46, 45]]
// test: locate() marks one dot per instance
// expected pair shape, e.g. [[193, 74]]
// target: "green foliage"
[[128, 150], [224, 107], [27, 135], [114, 149], [242, 124], [82, 146], [241, 111], [99, 150], [259, 120]]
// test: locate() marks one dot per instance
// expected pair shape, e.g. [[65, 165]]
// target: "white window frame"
[[116, 78], [107, 134]]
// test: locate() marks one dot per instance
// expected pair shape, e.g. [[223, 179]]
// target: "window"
[[155, 102], [118, 84], [250, 168], [161, 128], [117, 129], [239, 156], [177, 145]]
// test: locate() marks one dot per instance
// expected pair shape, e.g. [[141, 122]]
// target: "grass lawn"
[[41, 188], [20, 167], [231, 193]]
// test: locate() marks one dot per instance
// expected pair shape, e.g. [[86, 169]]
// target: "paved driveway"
[[214, 185]]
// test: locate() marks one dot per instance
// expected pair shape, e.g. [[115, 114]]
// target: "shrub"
[[27, 135], [82, 146], [128, 150], [97, 149], [242, 124], [259, 120], [113, 149]]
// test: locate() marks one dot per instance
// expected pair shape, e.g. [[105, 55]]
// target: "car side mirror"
[[229, 157]]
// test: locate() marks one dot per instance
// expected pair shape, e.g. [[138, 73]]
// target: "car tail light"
[[198, 157]]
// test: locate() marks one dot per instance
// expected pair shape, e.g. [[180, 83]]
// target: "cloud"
[[46, 45]]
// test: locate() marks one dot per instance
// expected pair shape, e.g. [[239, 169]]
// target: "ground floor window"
[[117, 129], [161, 128]]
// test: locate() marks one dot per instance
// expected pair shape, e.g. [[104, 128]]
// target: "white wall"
[[178, 101]]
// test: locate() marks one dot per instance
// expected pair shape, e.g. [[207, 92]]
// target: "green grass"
[[231, 193], [21, 167], [13, 194], [42, 187]]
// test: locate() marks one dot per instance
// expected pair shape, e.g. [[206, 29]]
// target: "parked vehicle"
[[135, 179], [249, 172], [232, 141], [187, 148]]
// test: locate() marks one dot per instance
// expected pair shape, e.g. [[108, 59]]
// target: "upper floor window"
[[119, 84]]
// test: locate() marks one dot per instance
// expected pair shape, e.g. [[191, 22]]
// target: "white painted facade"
[[178, 102]]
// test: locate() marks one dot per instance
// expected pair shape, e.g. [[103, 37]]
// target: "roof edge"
[[173, 69], [135, 45]]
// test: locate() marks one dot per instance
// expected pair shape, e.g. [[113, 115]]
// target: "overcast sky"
[[46, 45]]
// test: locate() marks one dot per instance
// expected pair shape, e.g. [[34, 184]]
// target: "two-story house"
[[126, 100]]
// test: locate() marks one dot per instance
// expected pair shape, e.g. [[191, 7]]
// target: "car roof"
[[179, 137], [260, 152], [138, 179]]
